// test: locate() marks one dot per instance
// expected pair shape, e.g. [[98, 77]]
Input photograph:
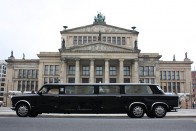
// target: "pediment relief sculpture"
[[100, 47]]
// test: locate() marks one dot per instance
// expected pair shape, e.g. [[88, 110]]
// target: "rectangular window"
[[85, 70], [84, 39], [99, 71], [56, 80], [169, 75], [46, 80], [79, 90], [118, 40], [178, 87], [146, 71], [177, 75], [51, 69], [75, 40], [112, 80], [34, 73], [56, 70], [160, 75], [104, 39], [23, 85], [107, 89], [169, 86], [46, 70], [113, 40], [127, 80], [89, 39], [112, 71], [32, 85], [20, 74], [173, 75], [108, 39], [151, 80], [29, 73], [164, 75], [79, 40], [137, 89], [71, 80], [19, 85], [28, 85], [85, 80], [141, 70], [123, 40], [51, 80], [174, 87], [99, 80], [36, 86], [151, 70], [126, 71], [94, 38], [24, 73], [71, 70]]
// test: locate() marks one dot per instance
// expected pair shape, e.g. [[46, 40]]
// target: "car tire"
[[159, 111], [22, 110], [136, 111]]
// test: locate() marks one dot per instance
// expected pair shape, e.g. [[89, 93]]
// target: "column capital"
[[121, 59], [107, 59], [92, 59]]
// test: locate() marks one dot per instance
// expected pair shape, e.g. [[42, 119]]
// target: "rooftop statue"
[[99, 18]]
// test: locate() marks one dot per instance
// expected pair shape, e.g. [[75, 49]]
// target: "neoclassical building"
[[98, 53]]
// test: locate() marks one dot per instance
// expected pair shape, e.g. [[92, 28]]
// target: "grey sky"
[[166, 27]]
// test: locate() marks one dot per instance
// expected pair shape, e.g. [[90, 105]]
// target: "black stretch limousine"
[[133, 99]]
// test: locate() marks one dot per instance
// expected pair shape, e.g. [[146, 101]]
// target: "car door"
[[49, 101], [109, 99], [78, 98]]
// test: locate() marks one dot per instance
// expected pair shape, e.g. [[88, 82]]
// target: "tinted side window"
[[80, 90], [138, 89], [109, 89]]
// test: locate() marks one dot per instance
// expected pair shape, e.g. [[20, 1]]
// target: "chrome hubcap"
[[138, 111], [23, 110], [159, 111]]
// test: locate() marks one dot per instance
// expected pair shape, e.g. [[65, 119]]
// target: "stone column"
[[77, 73], [63, 74], [106, 70], [121, 71], [135, 72], [92, 74]]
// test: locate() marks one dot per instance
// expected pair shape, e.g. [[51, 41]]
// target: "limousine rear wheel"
[[159, 111], [136, 111], [22, 110]]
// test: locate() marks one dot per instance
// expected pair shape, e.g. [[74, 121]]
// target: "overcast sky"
[[167, 27]]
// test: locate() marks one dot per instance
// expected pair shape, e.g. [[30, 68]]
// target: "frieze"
[[101, 47]]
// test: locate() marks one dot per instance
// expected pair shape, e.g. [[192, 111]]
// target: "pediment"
[[102, 28], [99, 47]]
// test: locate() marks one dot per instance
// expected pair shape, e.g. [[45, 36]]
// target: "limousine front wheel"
[[159, 111], [136, 111], [22, 110]]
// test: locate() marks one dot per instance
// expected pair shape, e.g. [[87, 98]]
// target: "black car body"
[[133, 99]]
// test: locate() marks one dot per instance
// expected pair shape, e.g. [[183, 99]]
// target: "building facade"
[[3, 69], [194, 84], [98, 53]]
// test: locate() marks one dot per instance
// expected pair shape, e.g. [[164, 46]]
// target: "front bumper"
[[13, 108]]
